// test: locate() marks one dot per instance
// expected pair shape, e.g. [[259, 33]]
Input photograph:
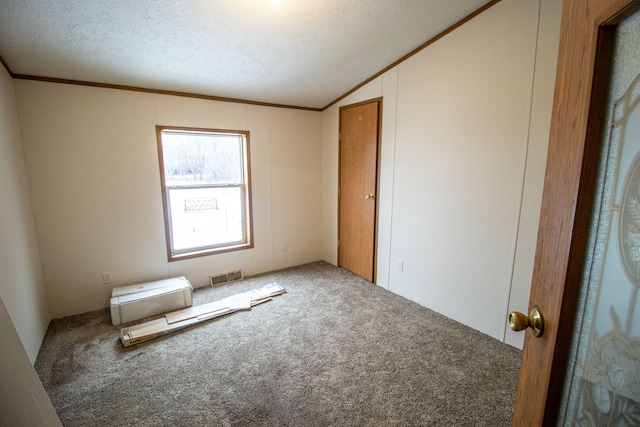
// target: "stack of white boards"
[[189, 316], [129, 303]]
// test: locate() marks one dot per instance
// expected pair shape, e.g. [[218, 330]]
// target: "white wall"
[[23, 399], [465, 129], [21, 280], [550, 14], [92, 162]]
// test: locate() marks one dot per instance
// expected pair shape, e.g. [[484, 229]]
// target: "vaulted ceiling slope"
[[304, 53]]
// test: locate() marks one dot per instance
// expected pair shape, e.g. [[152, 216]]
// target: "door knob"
[[370, 196], [520, 322]]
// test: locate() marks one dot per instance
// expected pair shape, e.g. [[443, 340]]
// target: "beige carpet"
[[334, 350]]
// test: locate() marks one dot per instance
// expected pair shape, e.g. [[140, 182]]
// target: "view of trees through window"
[[202, 158], [205, 189]]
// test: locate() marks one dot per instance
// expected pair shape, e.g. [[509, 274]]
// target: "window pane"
[[206, 217], [206, 188], [202, 158]]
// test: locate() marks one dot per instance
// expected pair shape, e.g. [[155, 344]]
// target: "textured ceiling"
[[292, 52]]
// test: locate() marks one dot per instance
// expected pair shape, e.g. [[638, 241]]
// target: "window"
[[206, 190]]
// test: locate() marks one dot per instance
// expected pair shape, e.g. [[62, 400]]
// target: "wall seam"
[[524, 174]]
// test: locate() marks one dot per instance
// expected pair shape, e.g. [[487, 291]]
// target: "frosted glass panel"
[[604, 379]]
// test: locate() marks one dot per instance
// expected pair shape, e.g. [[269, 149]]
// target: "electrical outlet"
[[284, 247], [400, 265], [107, 279]]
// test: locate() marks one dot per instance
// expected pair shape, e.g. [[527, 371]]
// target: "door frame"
[[377, 100], [575, 142]]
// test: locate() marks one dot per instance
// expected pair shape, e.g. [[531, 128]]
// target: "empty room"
[[389, 167]]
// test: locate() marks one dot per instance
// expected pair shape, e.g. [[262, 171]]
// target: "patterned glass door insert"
[[604, 376]]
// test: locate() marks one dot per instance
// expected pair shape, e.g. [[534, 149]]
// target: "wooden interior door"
[[575, 149], [357, 192]]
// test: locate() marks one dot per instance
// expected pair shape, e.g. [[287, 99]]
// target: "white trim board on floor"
[[190, 316]]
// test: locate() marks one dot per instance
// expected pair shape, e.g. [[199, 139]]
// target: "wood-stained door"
[[357, 192], [575, 152]]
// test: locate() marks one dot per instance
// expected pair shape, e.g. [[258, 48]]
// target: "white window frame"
[[245, 188]]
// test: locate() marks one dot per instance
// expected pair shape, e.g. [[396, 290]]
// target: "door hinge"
[[339, 136]]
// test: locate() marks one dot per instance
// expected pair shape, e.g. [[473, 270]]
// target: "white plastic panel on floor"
[[129, 303]]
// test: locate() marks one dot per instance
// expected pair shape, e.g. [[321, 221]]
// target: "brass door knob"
[[370, 196], [520, 322]]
